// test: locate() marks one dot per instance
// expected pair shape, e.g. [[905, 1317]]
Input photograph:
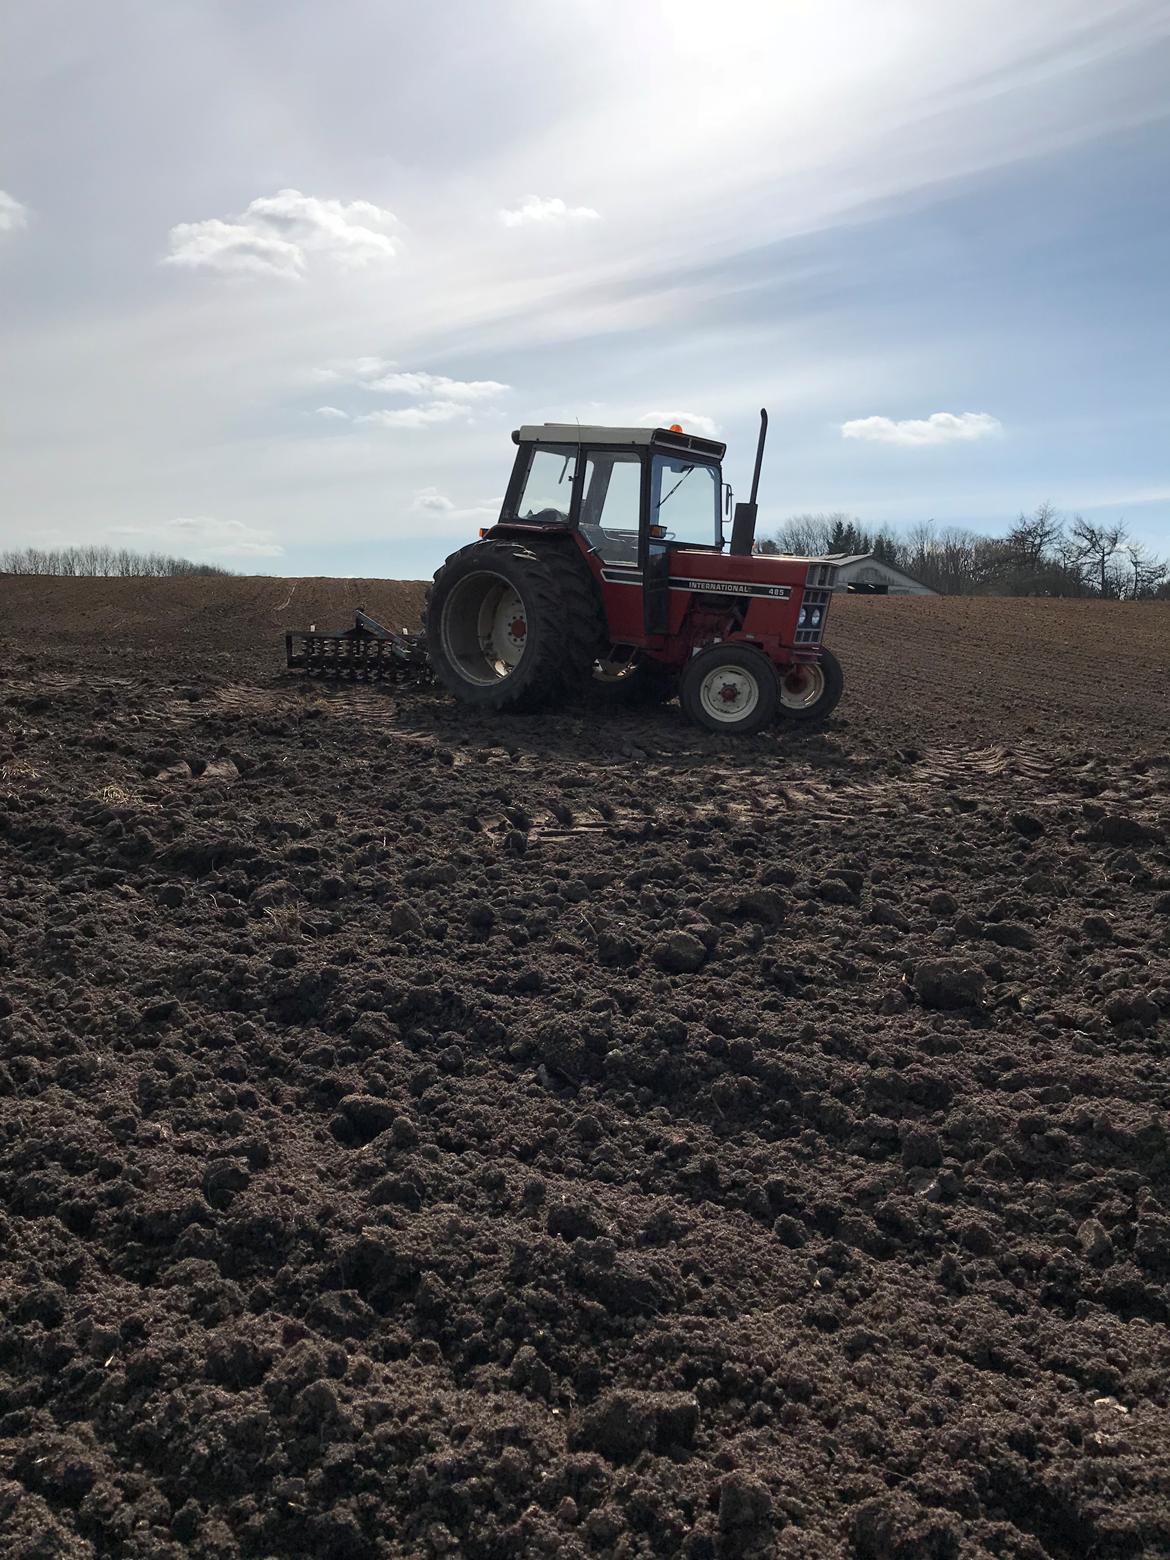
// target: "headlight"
[[816, 617], [800, 622]]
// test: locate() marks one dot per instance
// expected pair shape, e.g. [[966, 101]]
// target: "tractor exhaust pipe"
[[743, 526]]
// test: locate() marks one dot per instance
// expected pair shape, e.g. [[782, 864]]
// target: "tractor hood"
[[750, 574]]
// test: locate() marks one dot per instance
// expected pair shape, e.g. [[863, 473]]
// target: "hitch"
[[367, 652]]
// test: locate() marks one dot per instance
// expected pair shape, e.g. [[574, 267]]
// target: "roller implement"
[[608, 572], [364, 652]]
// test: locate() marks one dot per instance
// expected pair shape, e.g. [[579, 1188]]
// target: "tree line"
[[101, 562], [1041, 555]]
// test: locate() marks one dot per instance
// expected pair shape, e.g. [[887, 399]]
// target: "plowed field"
[[572, 1136]]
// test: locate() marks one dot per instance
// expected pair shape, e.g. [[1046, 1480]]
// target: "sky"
[[277, 280]]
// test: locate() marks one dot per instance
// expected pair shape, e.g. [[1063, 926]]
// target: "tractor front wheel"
[[811, 692], [730, 688]]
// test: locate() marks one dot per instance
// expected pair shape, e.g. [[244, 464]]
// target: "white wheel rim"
[[807, 685], [729, 694], [503, 628], [484, 627]]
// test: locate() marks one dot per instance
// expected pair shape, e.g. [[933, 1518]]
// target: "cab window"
[[611, 505], [548, 487], [684, 501]]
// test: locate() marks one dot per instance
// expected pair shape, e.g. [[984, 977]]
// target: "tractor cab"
[[629, 494], [619, 488]]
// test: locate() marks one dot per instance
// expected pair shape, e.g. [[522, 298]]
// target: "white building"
[[864, 574]]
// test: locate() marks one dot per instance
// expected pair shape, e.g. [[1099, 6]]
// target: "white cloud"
[[201, 534], [438, 386], [938, 428], [234, 246], [690, 422], [548, 210], [436, 398], [353, 371], [424, 416], [277, 234], [443, 515], [430, 498], [385, 377], [13, 216], [332, 413], [228, 538]]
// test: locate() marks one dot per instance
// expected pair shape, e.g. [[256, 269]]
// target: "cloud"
[[691, 422], [938, 428], [332, 413], [385, 377], [424, 416], [444, 515], [437, 385], [436, 398], [430, 498], [548, 211], [13, 216], [277, 234], [204, 534]]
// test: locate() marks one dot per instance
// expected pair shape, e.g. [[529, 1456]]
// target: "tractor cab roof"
[[660, 438]]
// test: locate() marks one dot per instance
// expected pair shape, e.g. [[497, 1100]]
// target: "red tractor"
[[608, 566]]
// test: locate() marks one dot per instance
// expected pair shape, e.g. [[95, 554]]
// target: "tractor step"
[[367, 652]]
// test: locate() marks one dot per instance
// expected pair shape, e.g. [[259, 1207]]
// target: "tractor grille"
[[810, 623]]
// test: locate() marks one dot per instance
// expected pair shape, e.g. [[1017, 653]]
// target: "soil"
[[572, 1136]]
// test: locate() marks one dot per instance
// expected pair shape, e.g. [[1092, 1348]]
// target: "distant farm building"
[[864, 575]]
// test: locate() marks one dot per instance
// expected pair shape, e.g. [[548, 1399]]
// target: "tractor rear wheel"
[[511, 629], [809, 693], [730, 688]]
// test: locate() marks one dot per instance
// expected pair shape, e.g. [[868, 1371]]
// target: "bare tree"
[[70, 562], [1148, 574], [1092, 549], [1035, 537], [1037, 556], [810, 536]]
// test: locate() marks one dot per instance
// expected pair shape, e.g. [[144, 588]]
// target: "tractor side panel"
[[765, 591], [621, 596], [711, 595], [761, 577]]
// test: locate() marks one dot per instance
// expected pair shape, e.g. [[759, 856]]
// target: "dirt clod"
[[948, 983], [621, 1423], [679, 953]]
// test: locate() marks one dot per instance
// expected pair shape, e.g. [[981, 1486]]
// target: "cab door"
[[681, 509], [656, 587], [654, 561]]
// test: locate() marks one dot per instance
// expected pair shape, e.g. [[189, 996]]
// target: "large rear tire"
[[809, 693], [583, 634], [730, 688], [510, 629]]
